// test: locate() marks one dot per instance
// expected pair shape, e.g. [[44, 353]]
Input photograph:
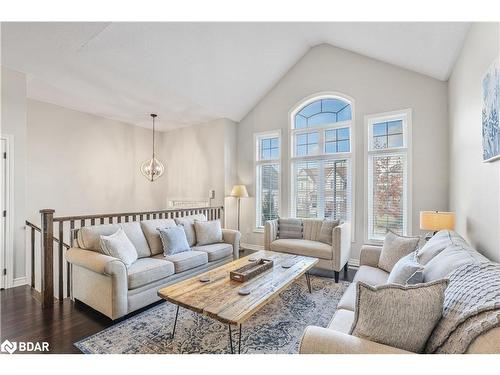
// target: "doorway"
[[5, 213]]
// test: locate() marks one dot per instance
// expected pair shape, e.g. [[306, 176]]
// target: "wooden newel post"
[[47, 258]]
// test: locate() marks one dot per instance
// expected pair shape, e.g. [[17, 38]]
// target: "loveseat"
[[107, 285], [446, 252], [302, 237]]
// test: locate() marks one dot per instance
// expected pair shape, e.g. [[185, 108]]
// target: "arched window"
[[321, 141]]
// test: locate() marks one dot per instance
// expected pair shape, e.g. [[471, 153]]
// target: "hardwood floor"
[[22, 319]]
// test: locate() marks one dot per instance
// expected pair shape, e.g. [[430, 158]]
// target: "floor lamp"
[[239, 191]]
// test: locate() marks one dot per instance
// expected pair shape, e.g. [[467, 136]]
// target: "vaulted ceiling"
[[191, 73]]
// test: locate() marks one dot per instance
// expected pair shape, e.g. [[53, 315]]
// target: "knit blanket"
[[471, 308]]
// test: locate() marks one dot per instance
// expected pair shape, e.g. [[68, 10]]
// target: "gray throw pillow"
[[407, 271], [208, 232], [395, 247], [118, 245], [399, 316], [188, 223], [325, 233], [174, 240], [290, 228]]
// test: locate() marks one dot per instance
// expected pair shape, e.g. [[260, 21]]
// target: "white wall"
[[376, 87], [474, 185], [79, 163], [198, 159], [14, 123]]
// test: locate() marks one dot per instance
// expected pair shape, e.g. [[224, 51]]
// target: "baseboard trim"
[[353, 262], [18, 281]]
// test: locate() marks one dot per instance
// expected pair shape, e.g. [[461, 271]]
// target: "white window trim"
[[291, 159], [257, 163], [406, 115]]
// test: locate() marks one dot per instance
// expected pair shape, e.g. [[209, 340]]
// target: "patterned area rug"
[[276, 328]]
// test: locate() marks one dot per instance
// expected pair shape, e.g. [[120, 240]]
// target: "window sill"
[[258, 230]]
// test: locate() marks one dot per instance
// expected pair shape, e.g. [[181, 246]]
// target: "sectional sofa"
[[448, 252], [105, 284]]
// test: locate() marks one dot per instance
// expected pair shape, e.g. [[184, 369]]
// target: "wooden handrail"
[[34, 227], [98, 216]]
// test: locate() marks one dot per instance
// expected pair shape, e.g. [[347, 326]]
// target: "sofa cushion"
[[396, 247], [312, 229], [448, 260], [397, 315], [325, 234], [187, 260], [348, 299], [89, 238], [174, 240], [303, 247], [290, 228], [371, 275], [215, 251], [434, 246], [148, 270], [342, 321], [207, 232], [187, 223], [152, 236], [135, 234], [118, 245]]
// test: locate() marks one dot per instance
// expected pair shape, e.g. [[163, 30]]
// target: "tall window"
[[321, 147], [388, 153], [267, 161]]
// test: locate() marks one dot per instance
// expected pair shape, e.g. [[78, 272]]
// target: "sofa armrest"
[[96, 262], [270, 233], [318, 340], [341, 243], [369, 255], [232, 237]]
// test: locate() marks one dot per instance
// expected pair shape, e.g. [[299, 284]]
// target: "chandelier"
[[152, 168]]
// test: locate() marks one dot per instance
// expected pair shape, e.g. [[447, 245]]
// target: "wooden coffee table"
[[219, 297]]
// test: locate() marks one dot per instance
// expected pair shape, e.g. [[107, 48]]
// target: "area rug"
[[276, 328]]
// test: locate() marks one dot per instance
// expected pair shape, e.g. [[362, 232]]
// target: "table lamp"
[[436, 220], [239, 191]]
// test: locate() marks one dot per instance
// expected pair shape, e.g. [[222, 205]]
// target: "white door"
[[3, 226]]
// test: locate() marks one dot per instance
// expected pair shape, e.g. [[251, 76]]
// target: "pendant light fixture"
[[152, 168]]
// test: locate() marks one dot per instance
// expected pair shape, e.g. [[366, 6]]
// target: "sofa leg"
[[346, 271], [336, 277]]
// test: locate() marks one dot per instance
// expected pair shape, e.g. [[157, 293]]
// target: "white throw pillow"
[[407, 271], [119, 246], [208, 232]]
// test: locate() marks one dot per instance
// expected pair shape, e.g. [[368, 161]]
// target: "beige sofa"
[[105, 284], [335, 339], [332, 257]]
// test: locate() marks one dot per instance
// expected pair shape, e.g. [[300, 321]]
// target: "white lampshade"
[[437, 220], [239, 191]]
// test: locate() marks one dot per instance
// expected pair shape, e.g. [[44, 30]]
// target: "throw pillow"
[[117, 245], [208, 232], [325, 233], [399, 316], [407, 271], [174, 240], [395, 247], [188, 223], [290, 228], [434, 246]]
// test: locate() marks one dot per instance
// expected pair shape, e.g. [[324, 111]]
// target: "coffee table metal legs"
[[308, 279], [175, 322], [231, 339]]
